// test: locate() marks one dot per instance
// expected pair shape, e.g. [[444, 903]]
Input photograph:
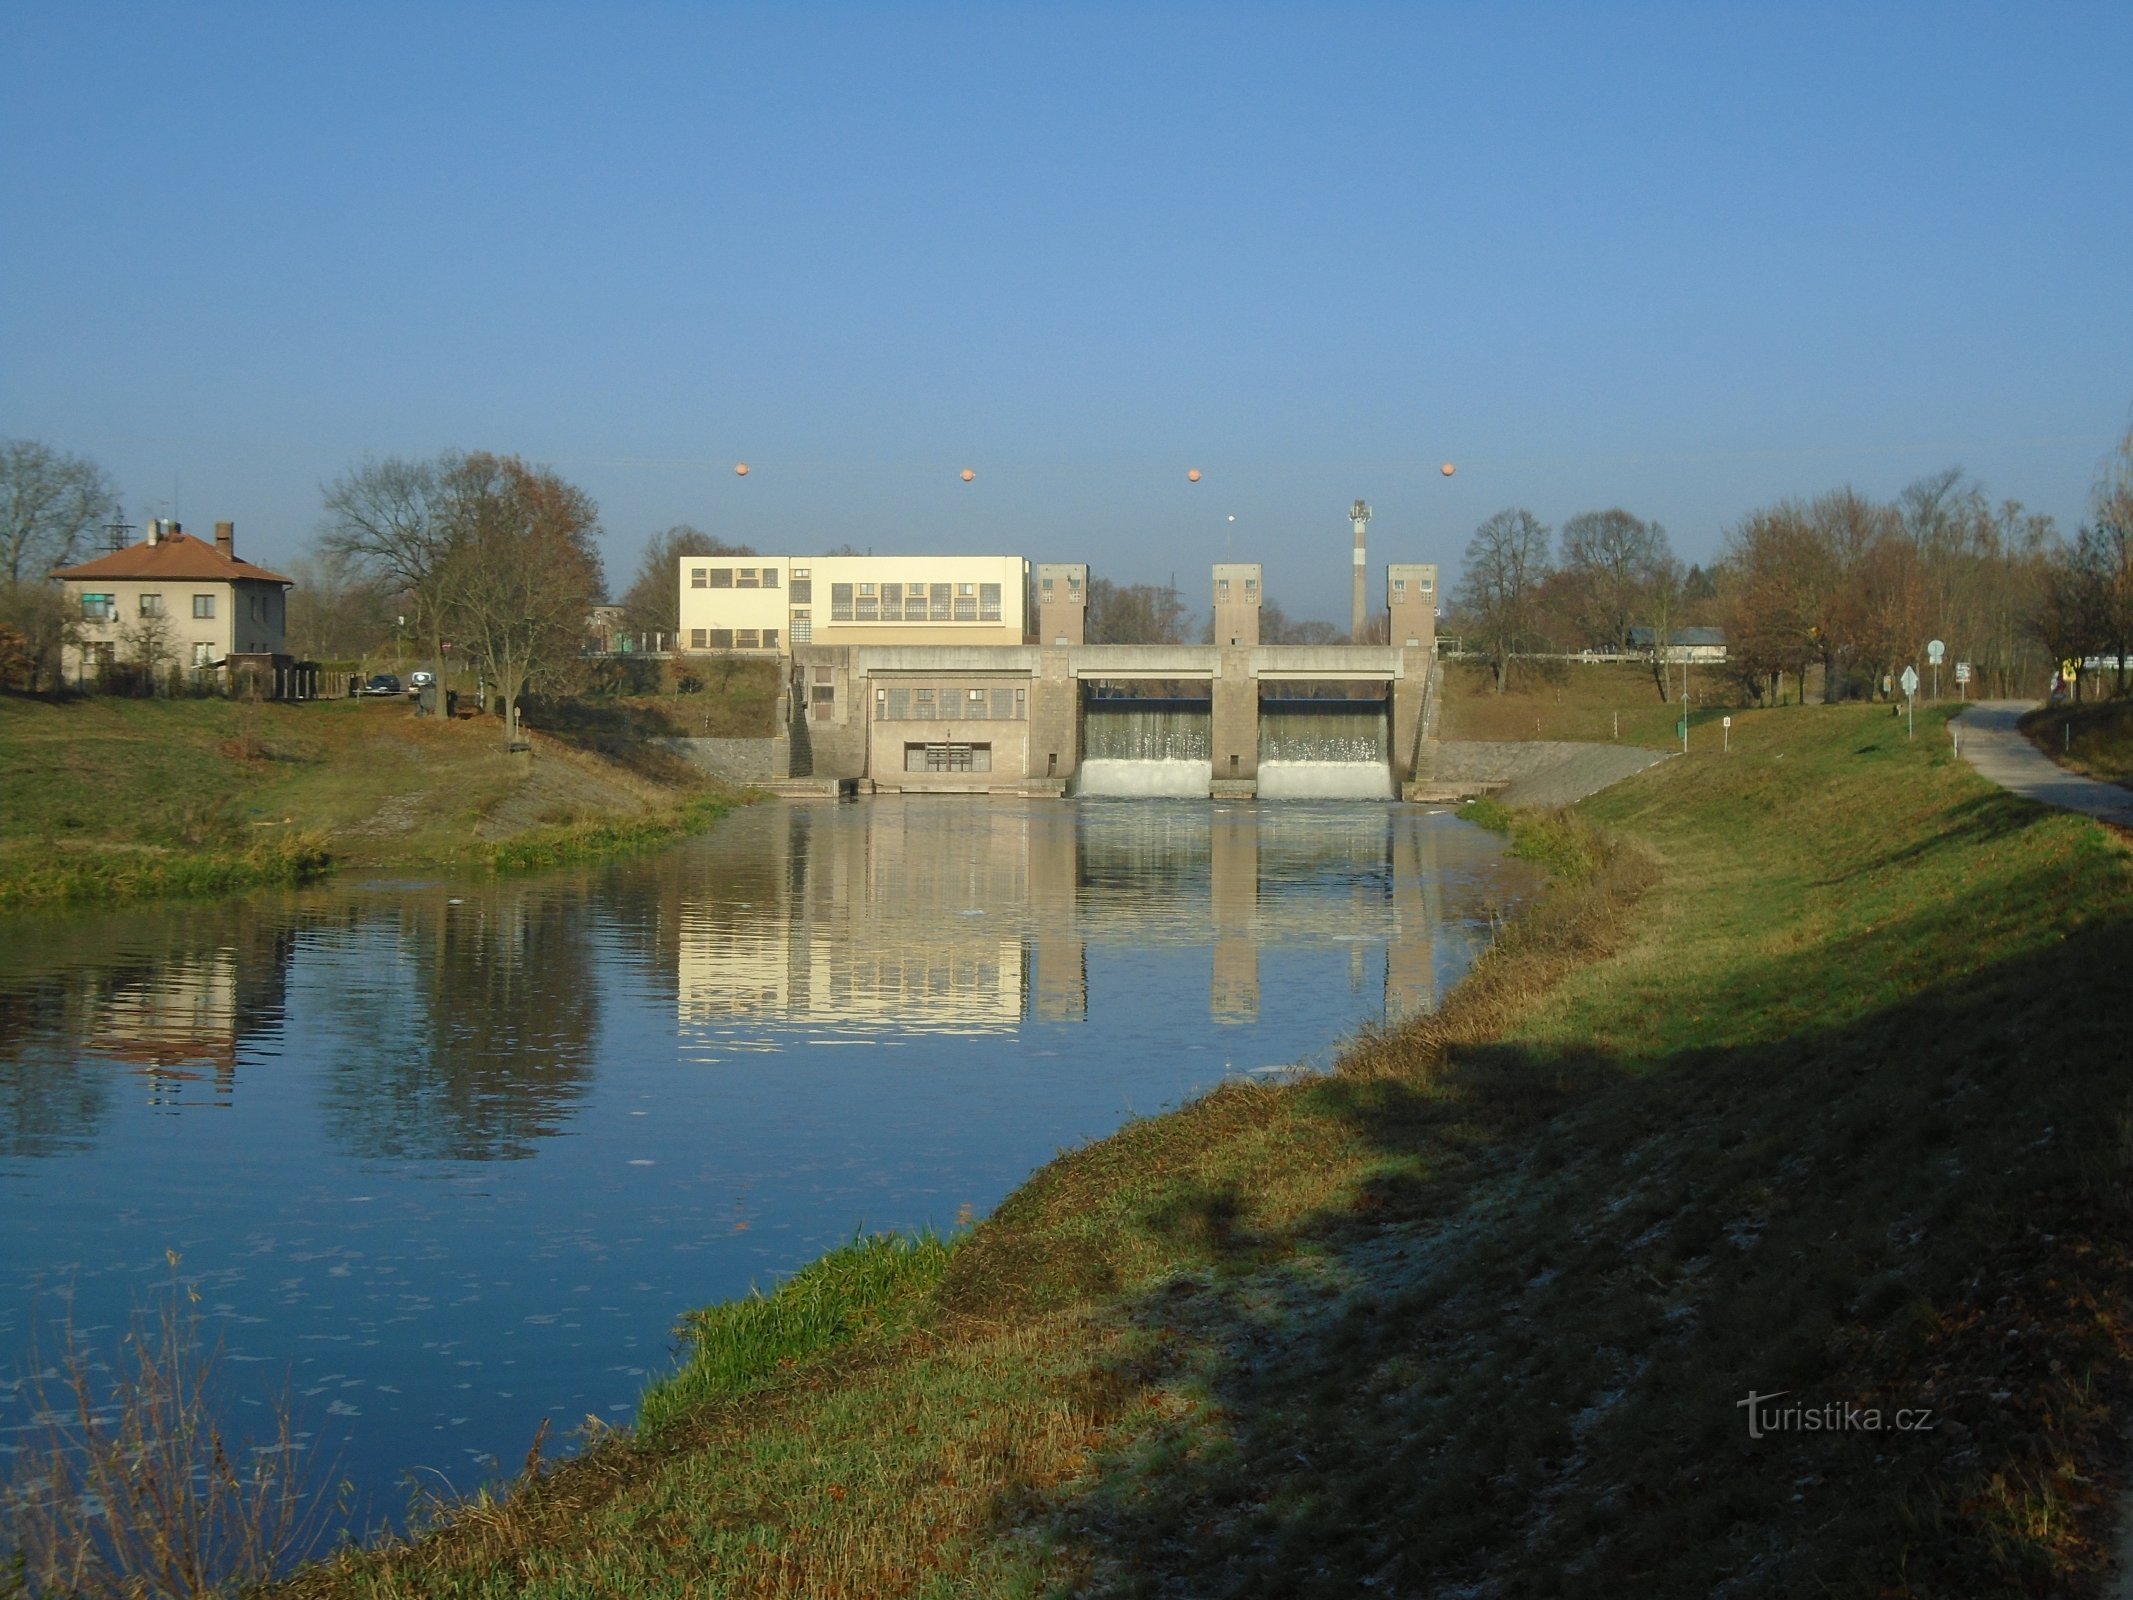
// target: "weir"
[[1151, 746], [1325, 749]]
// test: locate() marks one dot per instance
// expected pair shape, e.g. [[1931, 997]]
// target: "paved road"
[[1994, 745]]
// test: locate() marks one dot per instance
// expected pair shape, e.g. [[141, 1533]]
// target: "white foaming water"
[[1324, 780], [1145, 778]]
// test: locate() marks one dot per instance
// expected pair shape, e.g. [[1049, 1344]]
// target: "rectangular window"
[[922, 705], [203, 655], [1221, 588], [745, 578], [823, 697], [699, 638], [151, 605], [840, 602], [988, 602], [699, 577], [947, 758], [943, 603], [1047, 585], [721, 577], [747, 639], [770, 577], [803, 627], [1073, 585], [1399, 586], [722, 638], [895, 704], [892, 602], [966, 603], [98, 607], [803, 589], [1003, 705], [869, 607], [204, 607], [1251, 585], [1428, 584]]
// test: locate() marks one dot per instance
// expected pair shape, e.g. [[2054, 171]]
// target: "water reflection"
[[910, 918], [454, 1156], [465, 1026]]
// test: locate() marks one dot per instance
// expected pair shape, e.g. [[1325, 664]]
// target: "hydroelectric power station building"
[[973, 674]]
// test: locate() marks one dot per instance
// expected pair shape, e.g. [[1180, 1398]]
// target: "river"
[[446, 1158]]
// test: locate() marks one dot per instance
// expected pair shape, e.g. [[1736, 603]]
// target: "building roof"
[[1641, 638], [178, 557]]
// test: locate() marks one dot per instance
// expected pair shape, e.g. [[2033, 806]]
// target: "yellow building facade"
[[768, 604]]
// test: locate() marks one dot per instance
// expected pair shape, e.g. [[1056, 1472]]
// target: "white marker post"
[[1725, 735]]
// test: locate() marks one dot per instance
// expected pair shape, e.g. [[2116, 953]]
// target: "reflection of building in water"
[[184, 1018], [908, 917], [1410, 943], [888, 925], [1061, 953], [1233, 895]]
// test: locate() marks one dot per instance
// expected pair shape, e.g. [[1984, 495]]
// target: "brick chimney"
[[226, 540]]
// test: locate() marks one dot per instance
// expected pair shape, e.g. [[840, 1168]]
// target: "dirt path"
[[1990, 741]]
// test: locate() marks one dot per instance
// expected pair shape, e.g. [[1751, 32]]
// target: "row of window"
[[746, 578], [907, 703], [104, 607], [915, 602], [736, 638], [103, 653], [947, 758]]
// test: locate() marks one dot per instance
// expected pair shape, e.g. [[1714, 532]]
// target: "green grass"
[[112, 799], [1597, 702], [2095, 738], [1806, 1076], [735, 1347]]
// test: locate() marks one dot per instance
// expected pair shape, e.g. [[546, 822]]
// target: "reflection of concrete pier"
[[913, 919]]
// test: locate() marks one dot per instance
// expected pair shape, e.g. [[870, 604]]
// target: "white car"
[[417, 682]]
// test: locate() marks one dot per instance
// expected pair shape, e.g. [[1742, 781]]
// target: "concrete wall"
[[737, 760], [1236, 717]]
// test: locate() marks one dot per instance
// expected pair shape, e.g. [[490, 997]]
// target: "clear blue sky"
[[1684, 259]]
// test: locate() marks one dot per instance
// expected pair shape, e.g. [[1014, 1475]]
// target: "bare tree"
[[1505, 562], [652, 603], [49, 503], [1137, 613], [522, 574], [340, 608], [391, 521], [1614, 559]]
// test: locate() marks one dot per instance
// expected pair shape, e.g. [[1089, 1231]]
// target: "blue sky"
[[1687, 259]]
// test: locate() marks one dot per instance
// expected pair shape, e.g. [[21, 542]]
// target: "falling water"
[[1146, 747], [1325, 749]]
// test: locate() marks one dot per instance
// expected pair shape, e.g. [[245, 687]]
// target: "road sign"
[[1935, 650], [1910, 681], [1962, 672]]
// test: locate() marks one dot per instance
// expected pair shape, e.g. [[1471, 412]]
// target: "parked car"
[[381, 683]]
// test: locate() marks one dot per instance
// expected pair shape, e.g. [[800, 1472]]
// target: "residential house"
[[174, 600]]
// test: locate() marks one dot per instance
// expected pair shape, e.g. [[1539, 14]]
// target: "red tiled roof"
[[176, 556]]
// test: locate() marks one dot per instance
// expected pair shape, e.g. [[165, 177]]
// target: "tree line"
[[1842, 585]]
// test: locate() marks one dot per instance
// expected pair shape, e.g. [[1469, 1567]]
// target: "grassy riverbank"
[[1804, 1080], [112, 799], [2094, 738], [1604, 702]]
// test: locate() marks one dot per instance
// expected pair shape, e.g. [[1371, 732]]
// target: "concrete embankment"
[[1532, 772]]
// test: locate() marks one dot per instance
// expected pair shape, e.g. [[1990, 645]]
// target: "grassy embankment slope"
[[1807, 1078], [105, 799], [2095, 739], [1598, 701]]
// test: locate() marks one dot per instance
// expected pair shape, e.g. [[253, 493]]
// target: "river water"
[[446, 1158]]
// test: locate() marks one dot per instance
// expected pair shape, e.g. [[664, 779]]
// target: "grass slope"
[[1805, 1078], [105, 799], [2094, 737], [1599, 701]]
